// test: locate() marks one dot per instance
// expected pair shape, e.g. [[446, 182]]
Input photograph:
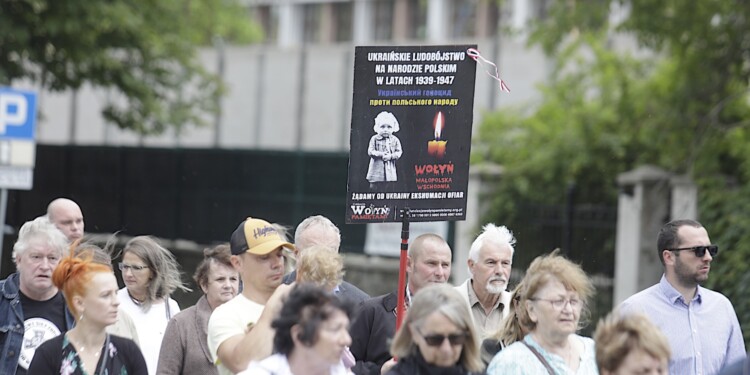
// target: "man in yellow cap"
[[240, 330]]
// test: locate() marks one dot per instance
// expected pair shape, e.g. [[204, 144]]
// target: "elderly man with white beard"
[[490, 260]]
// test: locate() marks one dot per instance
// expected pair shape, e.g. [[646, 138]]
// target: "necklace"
[[135, 300], [81, 350]]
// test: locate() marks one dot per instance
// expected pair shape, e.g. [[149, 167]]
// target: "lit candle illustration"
[[437, 147]]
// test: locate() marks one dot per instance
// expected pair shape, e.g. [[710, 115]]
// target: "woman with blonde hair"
[[321, 266], [150, 273], [630, 344], [437, 336], [90, 291], [554, 299]]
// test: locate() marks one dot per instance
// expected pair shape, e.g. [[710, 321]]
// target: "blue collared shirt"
[[704, 334]]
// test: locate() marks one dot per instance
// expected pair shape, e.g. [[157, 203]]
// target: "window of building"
[[311, 25], [268, 18], [342, 18], [463, 18], [474, 18], [383, 19], [417, 25]]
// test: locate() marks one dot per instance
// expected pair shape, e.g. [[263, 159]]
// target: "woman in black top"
[[90, 291], [437, 336]]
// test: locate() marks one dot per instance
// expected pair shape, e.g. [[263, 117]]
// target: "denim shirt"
[[11, 324]]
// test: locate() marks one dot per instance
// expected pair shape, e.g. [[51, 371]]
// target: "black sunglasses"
[[437, 340], [700, 251]]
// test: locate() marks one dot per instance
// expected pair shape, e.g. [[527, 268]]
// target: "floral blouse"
[[119, 356]]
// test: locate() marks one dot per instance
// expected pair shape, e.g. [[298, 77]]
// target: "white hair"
[[500, 236], [39, 229], [315, 221], [386, 117]]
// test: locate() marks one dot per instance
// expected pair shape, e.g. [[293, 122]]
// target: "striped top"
[[704, 334]]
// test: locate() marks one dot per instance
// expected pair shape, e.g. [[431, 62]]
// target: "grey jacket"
[[184, 349]]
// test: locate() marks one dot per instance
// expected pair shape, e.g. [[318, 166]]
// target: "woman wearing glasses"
[[437, 336], [554, 297], [150, 273]]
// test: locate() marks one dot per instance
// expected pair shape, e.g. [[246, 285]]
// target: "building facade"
[[293, 90]]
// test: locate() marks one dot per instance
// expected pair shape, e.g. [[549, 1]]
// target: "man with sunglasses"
[[701, 325]]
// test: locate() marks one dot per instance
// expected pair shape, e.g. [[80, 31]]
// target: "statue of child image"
[[384, 150]]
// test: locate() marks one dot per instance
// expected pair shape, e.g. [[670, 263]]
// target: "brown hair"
[[163, 265], [218, 254], [512, 330], [551, 267]]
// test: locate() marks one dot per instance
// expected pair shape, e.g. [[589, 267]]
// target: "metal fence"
[[192, 194]]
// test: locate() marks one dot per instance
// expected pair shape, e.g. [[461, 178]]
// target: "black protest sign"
[[412, 112]]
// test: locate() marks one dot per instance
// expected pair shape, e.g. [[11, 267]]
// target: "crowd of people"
[[62, 311]]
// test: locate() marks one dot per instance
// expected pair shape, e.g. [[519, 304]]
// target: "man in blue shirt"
[[700, 324]]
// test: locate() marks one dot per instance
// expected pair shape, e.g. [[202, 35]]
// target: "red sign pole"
[[402, 269]]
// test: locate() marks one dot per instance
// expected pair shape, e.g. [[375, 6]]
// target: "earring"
[[80, 319]]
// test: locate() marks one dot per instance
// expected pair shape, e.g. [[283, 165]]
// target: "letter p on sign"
[[13, 110], [17, 114]]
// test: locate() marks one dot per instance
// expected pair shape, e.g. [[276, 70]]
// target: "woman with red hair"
[[90, 291]]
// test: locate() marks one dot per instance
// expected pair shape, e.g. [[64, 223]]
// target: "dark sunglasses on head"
[[437, 340], [700, 251]]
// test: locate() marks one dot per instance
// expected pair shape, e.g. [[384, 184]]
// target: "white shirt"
[[150, 325]]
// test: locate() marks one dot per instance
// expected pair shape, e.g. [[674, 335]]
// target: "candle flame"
[[438, 124]]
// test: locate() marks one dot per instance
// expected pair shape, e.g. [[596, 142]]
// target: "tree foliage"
[[143, 51], [679, 101]]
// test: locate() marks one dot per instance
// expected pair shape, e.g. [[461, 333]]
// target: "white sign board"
[[385, 238]]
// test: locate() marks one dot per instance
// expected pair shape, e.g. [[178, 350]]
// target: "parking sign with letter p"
[[17, 114]]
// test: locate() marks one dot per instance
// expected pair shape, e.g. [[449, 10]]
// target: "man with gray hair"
[[490, 260], [32, 309], [318, 230]]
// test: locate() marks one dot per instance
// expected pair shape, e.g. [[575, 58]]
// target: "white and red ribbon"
[[474, 54]]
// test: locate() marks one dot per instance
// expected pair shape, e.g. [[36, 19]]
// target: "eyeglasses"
[[700, 251], [455, 339], [130, 267], [559, 304]]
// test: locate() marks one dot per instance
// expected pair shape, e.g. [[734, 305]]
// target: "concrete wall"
[[294, 98], [649, 198]]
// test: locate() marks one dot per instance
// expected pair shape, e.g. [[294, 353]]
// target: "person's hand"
[[386, 157], [387, 366], [277, 298]]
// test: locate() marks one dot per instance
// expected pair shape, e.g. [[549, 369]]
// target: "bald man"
[[67, 217]]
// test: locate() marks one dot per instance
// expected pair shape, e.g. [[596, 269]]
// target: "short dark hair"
[[307, 305], [668, 238]]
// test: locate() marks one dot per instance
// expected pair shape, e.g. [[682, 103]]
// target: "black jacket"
[[372, 332], [416, 365]]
